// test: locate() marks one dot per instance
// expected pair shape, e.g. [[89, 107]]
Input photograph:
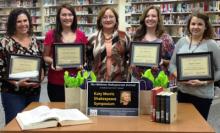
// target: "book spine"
[[205, 6], [218, 5], [154, 92], [153, 111], [158, 104], [167, 109], [162, 108], [173, 107]]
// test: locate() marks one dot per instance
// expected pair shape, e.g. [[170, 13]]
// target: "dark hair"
[[101, 14], [141, 30], [208, 33], [58, 28], [12, 20]]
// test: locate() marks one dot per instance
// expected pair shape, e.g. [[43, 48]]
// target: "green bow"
[[161, 80], [72, 82]]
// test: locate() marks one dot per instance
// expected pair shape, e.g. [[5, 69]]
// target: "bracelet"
[[205, 82], [16, 86]]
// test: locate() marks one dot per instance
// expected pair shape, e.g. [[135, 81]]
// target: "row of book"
[[50, 11], [37, 28], [36, 20], [177, 7], [50, 20], [19, 3], [88, 30], [179, 31], [189, 7], [182, 19], [86, 19], [86, 2], [88, 10], [77, 2], [173, 19], [164, 105]]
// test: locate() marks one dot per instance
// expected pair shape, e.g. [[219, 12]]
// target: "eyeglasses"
[[67, 14], [108, 17]]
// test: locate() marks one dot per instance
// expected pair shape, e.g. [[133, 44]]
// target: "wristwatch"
[[16, 86]]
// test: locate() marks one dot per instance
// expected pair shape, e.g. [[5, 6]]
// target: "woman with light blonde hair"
[[125, 98]]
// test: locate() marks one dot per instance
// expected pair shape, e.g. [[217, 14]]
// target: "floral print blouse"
[[9, 46], [166, 53]]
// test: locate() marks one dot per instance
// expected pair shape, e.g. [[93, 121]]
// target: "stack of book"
[[164, 106]]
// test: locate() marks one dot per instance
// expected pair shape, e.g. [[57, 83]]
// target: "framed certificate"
[[192, 66], [68, 55], [24, 66], [145, 54]]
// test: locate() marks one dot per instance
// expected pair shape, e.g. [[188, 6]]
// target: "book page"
[[70, 114], [36, 115]]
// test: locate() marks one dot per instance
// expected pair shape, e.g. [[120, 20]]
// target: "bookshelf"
[[43, 13], [86, 11], [32, 6], [175, 14]]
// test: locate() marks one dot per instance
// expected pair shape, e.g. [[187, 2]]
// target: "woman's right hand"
[[131, 68], [57, 68], [49, 61], [24, 83]]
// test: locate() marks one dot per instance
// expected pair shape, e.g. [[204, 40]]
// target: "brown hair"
[[101, 14], [12, 20], [141, 30], [58, 28], [208, 33]]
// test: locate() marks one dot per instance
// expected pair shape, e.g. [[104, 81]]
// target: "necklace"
[[108, 38], [197, 45]]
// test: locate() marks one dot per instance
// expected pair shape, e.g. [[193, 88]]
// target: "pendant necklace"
[[107, 39], [196, 45]]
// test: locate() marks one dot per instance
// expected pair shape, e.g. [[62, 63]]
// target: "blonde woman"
[[125, 98]]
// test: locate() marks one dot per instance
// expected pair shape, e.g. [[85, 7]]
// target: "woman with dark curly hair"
[[16, 95]]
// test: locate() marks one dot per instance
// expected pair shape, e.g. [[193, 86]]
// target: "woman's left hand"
[[196, 82], [155, 68], [35, 85]]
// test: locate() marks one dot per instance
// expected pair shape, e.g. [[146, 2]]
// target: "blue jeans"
[[13, 104]]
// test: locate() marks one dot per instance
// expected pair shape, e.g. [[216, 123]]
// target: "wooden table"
[[189, 121]]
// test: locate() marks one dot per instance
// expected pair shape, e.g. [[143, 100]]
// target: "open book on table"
[[43, 117]]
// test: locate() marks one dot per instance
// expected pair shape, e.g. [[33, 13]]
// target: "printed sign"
[[113, 98]]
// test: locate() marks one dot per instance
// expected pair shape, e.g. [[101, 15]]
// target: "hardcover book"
[[171, 107], [154, 92], [44, 117]]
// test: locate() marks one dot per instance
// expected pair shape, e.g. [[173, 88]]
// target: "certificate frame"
[[68, 48], [191, 66], [145, 49], [24, 66]]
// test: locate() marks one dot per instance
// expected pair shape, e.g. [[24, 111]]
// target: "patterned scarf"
[[120, 51]]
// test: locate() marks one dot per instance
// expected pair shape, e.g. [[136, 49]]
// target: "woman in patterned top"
[[151, 30], [16, 95], [108, 49]]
